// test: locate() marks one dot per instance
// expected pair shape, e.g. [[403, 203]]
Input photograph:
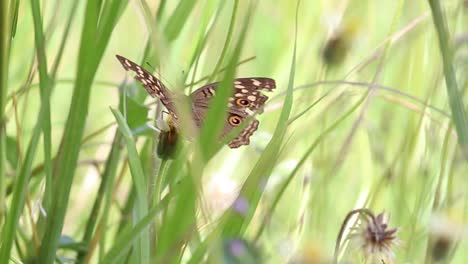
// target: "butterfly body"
[[246, 101]]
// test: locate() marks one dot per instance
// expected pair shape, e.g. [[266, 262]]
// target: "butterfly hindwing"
[[246, 101], [244, 136], [247, 93]]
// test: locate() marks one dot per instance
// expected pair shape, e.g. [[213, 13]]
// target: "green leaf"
[[246, 203], [136, 114]]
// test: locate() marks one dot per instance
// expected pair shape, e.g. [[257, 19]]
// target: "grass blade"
[[251, 190], [44, 124], [129, 236], [301, 162], [91, 51], [175, 24], [108, 177], [5, 43], [141, 208], [215, 118], [455, 98]]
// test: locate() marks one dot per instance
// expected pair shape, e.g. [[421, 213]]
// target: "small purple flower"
[[237, 247], [240, 205]]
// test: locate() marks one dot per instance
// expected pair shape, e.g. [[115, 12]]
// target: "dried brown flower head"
[[376, 240], [373, 238]]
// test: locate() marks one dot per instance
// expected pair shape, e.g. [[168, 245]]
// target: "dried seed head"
[[375, 240]]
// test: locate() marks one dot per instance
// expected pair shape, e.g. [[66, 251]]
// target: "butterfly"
[[246, 101]]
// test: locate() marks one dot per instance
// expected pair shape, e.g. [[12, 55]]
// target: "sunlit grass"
[[368, 116]]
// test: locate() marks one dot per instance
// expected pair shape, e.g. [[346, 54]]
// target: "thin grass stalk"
[[46, 84], [369, 95], [178, 220], [105, 186], [205, 78], [124, 219], [48, 192], [5, 43], [227, 41], [285, 184], [20, 190], [175, 23], [204, 33], [94, 40], [455, 99], [125, 241], [19, 194], [252, 189], [216, 114], [231, 223]]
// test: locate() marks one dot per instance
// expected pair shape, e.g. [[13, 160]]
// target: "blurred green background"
[[360, 118]]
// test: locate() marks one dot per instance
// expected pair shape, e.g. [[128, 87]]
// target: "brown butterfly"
[[244, 103]]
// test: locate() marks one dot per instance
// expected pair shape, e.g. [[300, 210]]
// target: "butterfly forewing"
[[152, 84]]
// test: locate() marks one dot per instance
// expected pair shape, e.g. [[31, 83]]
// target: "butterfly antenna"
[[164, 112], [219, 71], [149, 64], [160, 76]]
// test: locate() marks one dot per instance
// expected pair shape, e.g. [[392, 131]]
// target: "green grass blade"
[[105, 186], [227, 41], [141, 208], [204, 32], [14, 13], [19, 196], [282, 188], [215, 118], [251, 190], [48, 193], [175, 24], [5, 43], [44, 123], [125, 241], [179, 220], [68, 154], [46, 84], [64, 41], [455, 98], [91, 51]]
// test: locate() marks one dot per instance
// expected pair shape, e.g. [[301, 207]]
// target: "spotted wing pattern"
[[244, 136], [246, 101], [152, 84], [248, 89]]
